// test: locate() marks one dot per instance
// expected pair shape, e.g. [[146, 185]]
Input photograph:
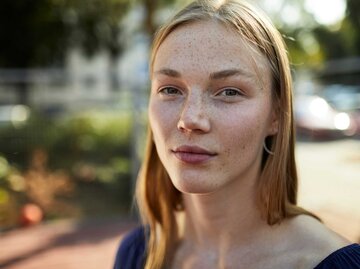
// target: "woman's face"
[[210, 107]]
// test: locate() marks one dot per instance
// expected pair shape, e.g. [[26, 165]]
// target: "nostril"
[[193, 123], [180, 126], [194, 116]]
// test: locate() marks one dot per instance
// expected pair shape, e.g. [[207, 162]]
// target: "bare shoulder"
[[309, 230], [313, 240]]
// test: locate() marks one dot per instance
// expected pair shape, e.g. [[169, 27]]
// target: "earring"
[[267, 150]]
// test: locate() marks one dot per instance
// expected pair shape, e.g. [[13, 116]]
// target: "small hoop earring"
[[267, 150]]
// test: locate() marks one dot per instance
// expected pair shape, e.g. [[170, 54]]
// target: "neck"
[[226, 217]]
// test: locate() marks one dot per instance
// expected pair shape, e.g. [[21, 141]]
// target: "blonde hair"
[[158, 199]]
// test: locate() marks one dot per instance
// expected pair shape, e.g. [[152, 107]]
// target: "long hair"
[[158, 199]]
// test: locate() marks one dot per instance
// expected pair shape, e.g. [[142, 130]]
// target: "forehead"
[[208, 46]]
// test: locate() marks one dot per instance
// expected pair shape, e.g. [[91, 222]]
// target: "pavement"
[[329, 183], [65, 244], [329, 186]]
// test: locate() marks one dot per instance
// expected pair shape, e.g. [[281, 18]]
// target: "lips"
[[193, 154]]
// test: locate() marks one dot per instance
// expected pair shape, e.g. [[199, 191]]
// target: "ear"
[[274, 122]]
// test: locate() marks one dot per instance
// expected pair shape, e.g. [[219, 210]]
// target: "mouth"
[[193, 154]]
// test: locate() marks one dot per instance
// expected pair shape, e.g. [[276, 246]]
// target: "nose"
[[194, 115]]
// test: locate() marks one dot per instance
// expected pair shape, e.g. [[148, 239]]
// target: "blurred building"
[[83, 82], [344, 71]]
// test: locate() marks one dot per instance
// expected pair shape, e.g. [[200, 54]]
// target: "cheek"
[[245, 130], [161, 119]]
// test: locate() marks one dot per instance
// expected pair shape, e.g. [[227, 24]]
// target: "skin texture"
[[211, 89], [228, 116]]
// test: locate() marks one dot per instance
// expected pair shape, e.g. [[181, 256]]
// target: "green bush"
[[92, 136], [90, 148]]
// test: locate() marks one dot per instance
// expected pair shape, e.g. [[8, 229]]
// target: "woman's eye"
[[230, 92], [169, 91]]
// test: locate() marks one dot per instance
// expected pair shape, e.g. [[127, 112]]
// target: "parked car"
[[334, 112], [346, 99]]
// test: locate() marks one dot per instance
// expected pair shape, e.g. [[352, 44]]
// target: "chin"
[[194, 185]]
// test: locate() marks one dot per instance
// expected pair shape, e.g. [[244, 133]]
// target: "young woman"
[[218, 185]]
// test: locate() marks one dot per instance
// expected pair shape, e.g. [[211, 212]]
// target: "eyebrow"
[[229, 73], [169, 72], [216, 75]]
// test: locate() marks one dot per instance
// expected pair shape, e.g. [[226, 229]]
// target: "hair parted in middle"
[[157, 197]]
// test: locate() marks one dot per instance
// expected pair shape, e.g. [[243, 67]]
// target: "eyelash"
[[222, 93], [233, 90], [164, 90]]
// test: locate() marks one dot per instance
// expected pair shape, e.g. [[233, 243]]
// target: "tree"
[[151, 6], [353, 15], [39, 33], [345, 42], [312, 43]]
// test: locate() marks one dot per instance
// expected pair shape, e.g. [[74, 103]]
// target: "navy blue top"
[[131, 254]]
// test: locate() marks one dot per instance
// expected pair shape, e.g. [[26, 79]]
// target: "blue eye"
[[169, 91], [230, 92]]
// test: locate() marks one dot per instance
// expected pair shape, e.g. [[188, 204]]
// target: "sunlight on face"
[[209, 109]]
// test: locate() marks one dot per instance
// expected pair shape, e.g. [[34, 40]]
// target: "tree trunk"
[[150, 7]]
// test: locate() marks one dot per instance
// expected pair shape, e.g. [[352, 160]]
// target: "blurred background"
[[73, 101]]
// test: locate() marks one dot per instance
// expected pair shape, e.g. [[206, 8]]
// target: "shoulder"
[[135, 238], [309, 230], [313, 240], [131, 251]]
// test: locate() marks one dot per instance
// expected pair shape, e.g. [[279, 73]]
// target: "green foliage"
[[4, 167], [353, 14], [94, 136], [39, 33], [8, 202], [95, 24], [90, 135], [86, 152], [32, 33]]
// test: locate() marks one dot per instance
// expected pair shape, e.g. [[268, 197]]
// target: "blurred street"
[[330, 183], [64, 244], [330, 186], [73, 110]]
